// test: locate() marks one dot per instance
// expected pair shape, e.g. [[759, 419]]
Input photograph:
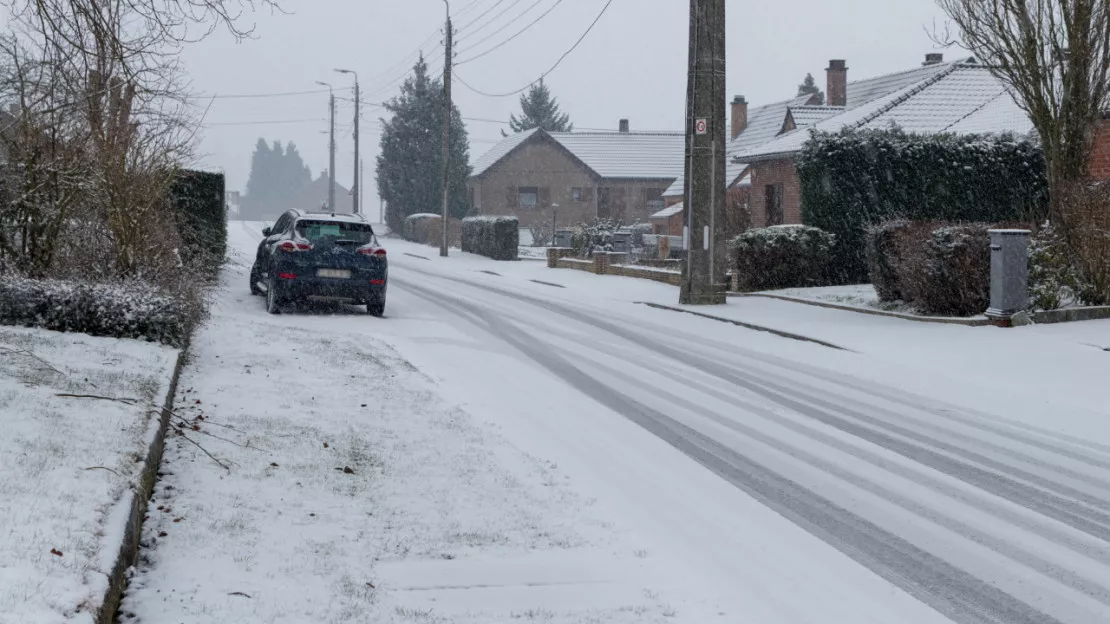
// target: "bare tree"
[[1055, 56]]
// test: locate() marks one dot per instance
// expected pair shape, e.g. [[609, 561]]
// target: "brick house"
[[576, 176], [961, 98], [1100, 150]]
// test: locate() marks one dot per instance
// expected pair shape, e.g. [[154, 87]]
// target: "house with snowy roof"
[[575, 177], [961, 97]]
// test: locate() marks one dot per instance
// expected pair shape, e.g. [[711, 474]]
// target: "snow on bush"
[[125, 310], [494, 237], [596, 236], [1054, 280], [415, 225], [782, 256]]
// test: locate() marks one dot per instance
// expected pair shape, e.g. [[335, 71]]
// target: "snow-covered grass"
[[855, 295], [342, 488], [66, 464]]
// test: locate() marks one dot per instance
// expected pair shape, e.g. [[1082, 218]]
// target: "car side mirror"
[[267, 231]]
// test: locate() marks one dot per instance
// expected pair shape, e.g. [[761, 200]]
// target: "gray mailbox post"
[[564, 238], [622, 241], [1009, 274]]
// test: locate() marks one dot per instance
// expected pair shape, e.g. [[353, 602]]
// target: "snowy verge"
[[68, 464], [320, 478], [861, 298]]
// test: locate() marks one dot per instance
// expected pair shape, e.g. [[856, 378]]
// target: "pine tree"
[[259, 182], [809, 87], [410, 165], [540, 110]]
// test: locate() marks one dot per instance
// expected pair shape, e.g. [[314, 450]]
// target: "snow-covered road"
[[759, 479]]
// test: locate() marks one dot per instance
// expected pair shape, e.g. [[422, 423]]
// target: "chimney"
[[624, 126], [836, 86], [739, 115], [933, 58]]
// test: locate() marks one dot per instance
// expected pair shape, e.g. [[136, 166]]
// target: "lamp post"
[[554, 224], [356, 190], [331, 146]]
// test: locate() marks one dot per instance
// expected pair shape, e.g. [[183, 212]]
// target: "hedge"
[[857, 178], [126, 310], [781, 256], [935, 267], [196, 200], [494, 237], [413, 227]]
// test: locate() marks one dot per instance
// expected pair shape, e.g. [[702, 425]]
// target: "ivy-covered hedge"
[[196, 200], [781, 256], [493, 237], [857, 178]]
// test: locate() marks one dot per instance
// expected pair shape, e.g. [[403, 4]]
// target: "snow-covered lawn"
[[341, 488], [66, 464]]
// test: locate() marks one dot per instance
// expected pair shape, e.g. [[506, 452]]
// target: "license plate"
[[334, 273]]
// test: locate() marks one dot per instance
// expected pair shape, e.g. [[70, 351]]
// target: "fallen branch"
[[124, 400], [197, 444], [182, 427], [29, 354], [103, 468]]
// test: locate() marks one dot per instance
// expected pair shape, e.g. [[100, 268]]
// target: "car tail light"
[[371, 251], [377, 282], [293, 247], [287, 275]]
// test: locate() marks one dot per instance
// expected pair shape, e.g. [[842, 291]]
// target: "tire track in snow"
[[958, 595]]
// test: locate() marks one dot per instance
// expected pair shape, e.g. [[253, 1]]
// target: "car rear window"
[[316, 230]]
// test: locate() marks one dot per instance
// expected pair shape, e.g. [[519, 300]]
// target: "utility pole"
[[448, 61], [355, 190], [706, 256], [331, 148]]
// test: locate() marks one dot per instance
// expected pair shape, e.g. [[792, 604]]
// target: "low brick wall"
[[674, 278], [609, 263]]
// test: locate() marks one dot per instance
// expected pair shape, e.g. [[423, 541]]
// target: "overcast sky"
[[631, 65]]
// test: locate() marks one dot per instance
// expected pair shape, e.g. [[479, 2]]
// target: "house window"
[[604, 208], [578, 195], [772, 204], [528, 197], [653, 199]]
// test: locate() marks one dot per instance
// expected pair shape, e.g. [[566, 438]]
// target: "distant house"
[[963, 97], [762, 186], [577, 176]]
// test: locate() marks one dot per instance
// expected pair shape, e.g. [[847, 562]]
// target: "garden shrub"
[[196, 200], [781, 256], [594, 236], [948, 272], [490, 236], [123, 310], [415, 225], [856, 178]]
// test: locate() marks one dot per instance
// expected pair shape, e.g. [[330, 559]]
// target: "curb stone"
[[974, 321], [140, 494], [777, 332]]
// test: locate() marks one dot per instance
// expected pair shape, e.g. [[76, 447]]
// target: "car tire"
[[256, 277], [273, 303], [376, 307]]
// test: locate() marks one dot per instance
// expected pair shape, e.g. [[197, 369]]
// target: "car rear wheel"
[[256, 277], [376, 307], [273, 303]]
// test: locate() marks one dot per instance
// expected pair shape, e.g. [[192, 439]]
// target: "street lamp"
[[554, 210], [356, 190], [331, 146]]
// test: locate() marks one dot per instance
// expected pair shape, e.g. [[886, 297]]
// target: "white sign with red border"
[[701, 126]]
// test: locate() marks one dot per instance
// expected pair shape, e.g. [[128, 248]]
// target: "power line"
[[240, 96], [505, 42], [553, 67], [493, 20], [460, 29], [504, 26], [260, 123]]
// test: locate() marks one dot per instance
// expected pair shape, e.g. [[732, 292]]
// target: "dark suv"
[[320, 257]]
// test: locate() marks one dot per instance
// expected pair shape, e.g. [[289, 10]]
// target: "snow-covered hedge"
[[416, 224], [127, 310], [491, 236], [196, 201], [856, 178], [936, 267], [596, 236], [782, 256]]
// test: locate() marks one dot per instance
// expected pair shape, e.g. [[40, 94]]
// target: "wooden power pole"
[[448, 61], [706, 251]]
